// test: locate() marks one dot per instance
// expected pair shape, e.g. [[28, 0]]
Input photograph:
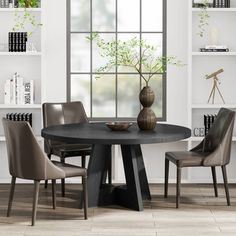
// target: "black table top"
[[99, 133]]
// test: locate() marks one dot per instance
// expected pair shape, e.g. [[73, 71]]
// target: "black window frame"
[[116, 32]]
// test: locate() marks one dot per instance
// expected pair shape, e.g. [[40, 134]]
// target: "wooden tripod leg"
[[220, 94], [211, 94]]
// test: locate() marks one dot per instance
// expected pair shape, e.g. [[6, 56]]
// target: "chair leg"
[[83, 161], [167, 163], [54, 200], [85, 195], [109, 170], [46, 182], [35, 201], [63, 180], [213, 170], [226, 184], [13, 181], [178, 177]]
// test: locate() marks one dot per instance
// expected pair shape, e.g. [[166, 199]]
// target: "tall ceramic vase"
[[146, 119]]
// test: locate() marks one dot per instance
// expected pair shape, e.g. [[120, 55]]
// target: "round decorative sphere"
[[146, 96], [146, 119]]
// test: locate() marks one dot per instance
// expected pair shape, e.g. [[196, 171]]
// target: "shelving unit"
[[201, 64], [28, 64]]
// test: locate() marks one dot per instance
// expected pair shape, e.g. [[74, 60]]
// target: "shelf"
[[215, 9], [20, 53], [3, 139], [213, 106], [20, 9], [197, 139], [213, 53], [30, 106]]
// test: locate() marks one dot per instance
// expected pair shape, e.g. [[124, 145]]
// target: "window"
[[115, 93]]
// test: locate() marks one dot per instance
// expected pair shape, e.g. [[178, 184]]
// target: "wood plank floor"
[[200, 213]]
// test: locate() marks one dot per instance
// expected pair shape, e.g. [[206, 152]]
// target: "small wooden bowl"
[[119, 126]]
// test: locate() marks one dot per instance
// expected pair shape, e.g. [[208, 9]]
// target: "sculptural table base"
[[130, 195]]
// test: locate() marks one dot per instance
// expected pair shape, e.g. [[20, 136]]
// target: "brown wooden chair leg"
[[167, 163], [213, 170], [46, 182], [85, 196], [83, 161], [178, 177], [35, 201], [226, 184], [62, 181], [13, 181], [54, 202]]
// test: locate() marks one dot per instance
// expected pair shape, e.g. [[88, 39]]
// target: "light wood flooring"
[[200, 213]]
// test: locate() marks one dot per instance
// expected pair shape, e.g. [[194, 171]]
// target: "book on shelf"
[[214, 50], [211, 3], [17, 41], [20, 117], [18, 92], [208, 122]]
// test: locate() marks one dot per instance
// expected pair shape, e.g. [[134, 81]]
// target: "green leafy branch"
[[203, 18], [26, 18], [127, 53]]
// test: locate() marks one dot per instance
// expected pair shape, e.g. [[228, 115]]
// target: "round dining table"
[[136, 189]]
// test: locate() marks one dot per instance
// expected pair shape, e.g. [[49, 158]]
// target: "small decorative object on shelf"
[[208, 122], [17, 41], [199, 132], [20, 117], [18, 92], [215, 87]]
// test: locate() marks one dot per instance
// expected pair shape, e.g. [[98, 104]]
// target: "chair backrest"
[[25, 157], [219, 138], [62, 113]]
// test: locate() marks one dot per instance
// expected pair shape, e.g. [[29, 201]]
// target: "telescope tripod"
[[213, 91]]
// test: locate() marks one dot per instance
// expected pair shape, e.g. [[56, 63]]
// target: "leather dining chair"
[[64, 113], [213, 151], [27, 161]]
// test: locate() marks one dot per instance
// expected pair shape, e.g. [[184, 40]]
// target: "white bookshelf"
[[20, 53], [201, 64], [20, 9], [28, 64]]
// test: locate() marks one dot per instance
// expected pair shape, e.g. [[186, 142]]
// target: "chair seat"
[[186, 158], [70, 150], [70, 170]]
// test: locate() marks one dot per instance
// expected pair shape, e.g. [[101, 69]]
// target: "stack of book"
[[208, 122], [214, 48], [17, 41], [18, 92], [20, 117], [212, 3]]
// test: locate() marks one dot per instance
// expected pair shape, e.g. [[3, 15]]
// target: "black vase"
[[146, 119]]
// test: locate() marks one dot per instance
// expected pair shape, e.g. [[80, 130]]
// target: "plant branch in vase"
[[127, 54]]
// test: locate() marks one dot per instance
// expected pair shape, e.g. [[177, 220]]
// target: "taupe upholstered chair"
[[64, 113], [27, 161], [213, 151]]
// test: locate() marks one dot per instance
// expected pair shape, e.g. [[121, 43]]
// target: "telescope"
[[213, 75]]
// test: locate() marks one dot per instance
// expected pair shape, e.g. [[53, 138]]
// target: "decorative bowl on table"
[[119, 126]]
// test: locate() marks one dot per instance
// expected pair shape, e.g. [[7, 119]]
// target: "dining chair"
[[213, 151], [65, 113], [27, 161]]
